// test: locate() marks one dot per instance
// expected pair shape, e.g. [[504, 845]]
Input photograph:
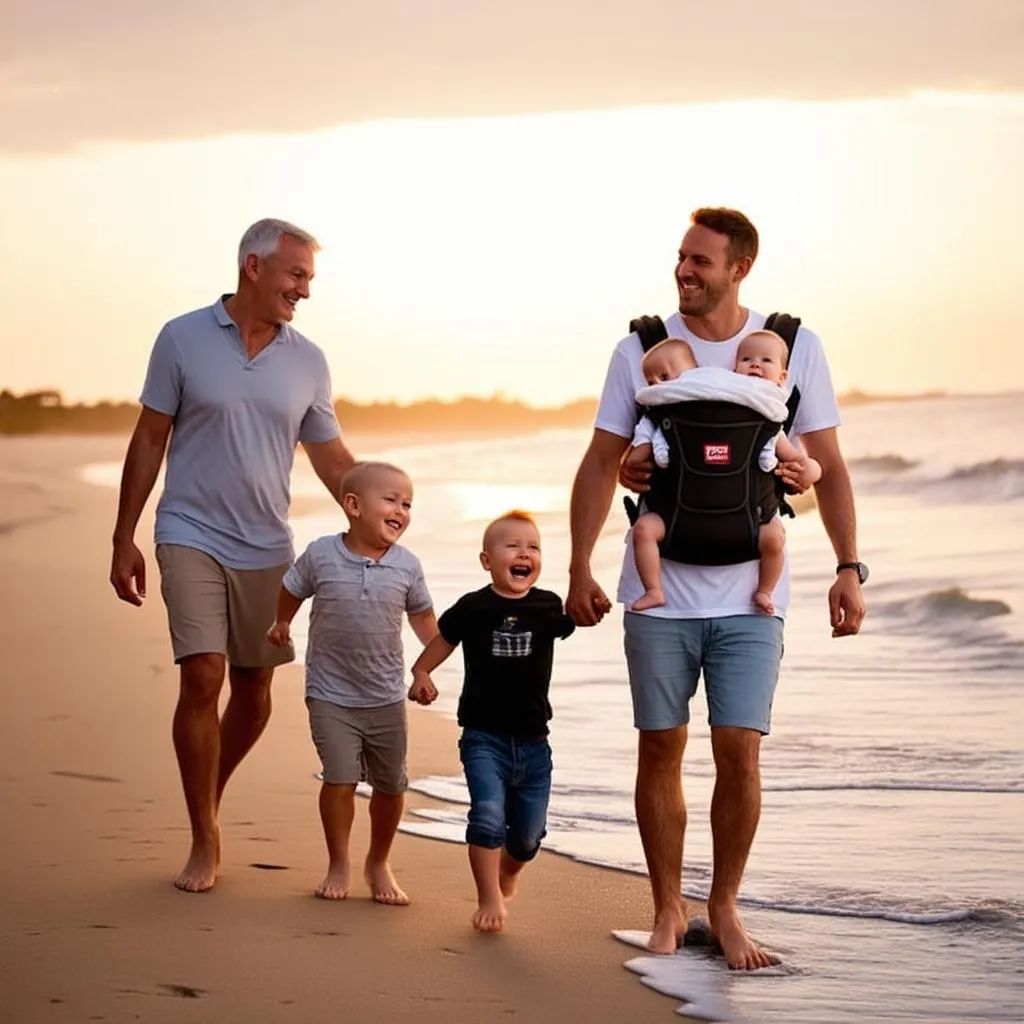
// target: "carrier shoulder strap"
[[649, 329], [786, 327]]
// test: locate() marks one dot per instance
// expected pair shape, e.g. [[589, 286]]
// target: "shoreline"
[[98, 830]]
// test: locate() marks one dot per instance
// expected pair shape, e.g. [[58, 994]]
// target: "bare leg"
[[385, 814], [244, 719], [508, 874], [661, 817], [196, 733], [735, 810], [337, 811], [648, 532], [486, 866], [772, 545]]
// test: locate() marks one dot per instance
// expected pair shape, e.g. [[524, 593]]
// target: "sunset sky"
[[498, 191]]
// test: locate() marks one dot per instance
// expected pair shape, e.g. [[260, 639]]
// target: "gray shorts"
[[738, 654], [212, 609], [361, 744]]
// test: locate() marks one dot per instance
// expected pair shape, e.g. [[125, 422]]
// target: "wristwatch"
[[859, 567]]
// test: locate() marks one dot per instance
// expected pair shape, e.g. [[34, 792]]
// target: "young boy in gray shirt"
[[362, 583]]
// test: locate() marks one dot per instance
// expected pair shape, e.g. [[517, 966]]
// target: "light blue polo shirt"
[[237, 422]]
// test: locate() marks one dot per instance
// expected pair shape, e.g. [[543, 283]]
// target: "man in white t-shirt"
[[708, 623]]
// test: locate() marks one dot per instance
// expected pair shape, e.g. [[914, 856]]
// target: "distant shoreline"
[[44, 412]]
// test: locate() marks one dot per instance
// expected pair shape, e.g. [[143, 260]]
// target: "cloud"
[[73, 73]]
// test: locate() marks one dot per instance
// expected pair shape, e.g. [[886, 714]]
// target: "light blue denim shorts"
[[739, 656]]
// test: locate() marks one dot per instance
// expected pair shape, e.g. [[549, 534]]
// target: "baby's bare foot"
[[490, 915], [763, 603], [383, 885], [654, 597], [335, 885]]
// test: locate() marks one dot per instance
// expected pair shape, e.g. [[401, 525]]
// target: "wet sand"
[[95, 830]]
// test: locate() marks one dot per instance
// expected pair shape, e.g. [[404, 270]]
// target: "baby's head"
[[667, 360], [763, 354], [377, 499], [511, 553]]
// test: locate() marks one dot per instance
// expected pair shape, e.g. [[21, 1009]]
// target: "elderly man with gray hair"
[[235, 388]]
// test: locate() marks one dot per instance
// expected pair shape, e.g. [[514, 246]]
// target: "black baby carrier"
[[713, 496]]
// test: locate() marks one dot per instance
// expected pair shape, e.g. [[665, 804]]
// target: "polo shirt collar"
[[222, 318]]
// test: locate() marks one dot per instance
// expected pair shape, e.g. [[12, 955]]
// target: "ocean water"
[[889, 865]]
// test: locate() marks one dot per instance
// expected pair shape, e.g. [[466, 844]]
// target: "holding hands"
[[280, 634], [422, 691]]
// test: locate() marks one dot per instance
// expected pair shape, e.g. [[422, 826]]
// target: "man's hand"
[[422, 691], [846, 604], [635, 469], [280, 634], [586, 604], [128, 572]]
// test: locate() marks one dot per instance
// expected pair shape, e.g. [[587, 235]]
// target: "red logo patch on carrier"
[[717, 454]]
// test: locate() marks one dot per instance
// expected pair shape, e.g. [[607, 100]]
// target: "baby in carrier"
[[757, 382]]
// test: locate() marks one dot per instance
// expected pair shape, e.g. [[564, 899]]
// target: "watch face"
[[862, 572]]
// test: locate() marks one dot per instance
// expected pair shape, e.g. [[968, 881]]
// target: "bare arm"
[[280, 633], [330, 460], [592, 493], [424, 625], [796, 467], [142, 464], [834, 492]]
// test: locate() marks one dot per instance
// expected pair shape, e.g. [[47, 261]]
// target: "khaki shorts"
[[212, 609], [361, 744]]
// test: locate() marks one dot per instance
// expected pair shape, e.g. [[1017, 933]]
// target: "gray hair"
[[264, 238]]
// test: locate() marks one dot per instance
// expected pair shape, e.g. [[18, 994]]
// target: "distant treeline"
[[44, 412]]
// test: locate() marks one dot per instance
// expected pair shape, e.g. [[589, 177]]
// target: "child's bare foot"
[[335, 885], [763, 603], [383, 885], [490, 915], [508, 876], [200, 871], [654, 597]]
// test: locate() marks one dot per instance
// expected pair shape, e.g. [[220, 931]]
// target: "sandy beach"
[[95, 829]]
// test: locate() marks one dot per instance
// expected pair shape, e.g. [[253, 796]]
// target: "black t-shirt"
[[507, 648]]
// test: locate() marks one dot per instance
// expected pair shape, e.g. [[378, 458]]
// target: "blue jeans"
[[509, 784], [738, 654]]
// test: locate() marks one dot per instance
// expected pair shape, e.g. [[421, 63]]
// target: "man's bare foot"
[[669, 929], [763, 603], [383, 885], [335, 885], [654, 597], [200, 872], [739, 949], [490, 916]]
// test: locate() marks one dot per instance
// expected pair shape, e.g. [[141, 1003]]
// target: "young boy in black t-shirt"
[[507, 631]]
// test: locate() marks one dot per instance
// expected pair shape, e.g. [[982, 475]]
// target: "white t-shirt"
[[712, 591]]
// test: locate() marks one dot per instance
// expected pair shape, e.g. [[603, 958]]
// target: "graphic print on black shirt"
[[508, 641], [507, 649]]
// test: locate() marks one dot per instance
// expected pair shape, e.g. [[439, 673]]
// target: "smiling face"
[[762, 354], [280, 281], [378, 503], [511, 555], [705, 272]]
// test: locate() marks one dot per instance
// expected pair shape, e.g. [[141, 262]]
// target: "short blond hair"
[[514, 515], [362, 474]]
